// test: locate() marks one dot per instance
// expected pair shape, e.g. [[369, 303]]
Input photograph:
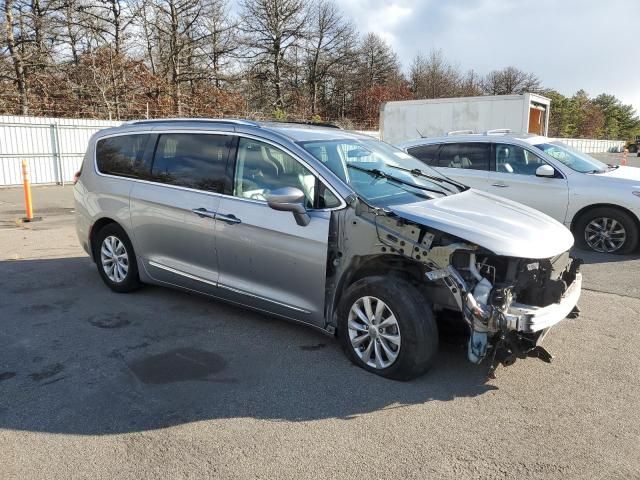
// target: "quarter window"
[[426, 153], [123, 156], [262, 168], [192, 160], [473, 156], [517, 160]]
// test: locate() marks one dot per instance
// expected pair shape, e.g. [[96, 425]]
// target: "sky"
[[568, 44]]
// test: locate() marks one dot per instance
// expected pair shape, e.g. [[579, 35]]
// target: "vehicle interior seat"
[[460, 162], [503, 160], [256, 171]]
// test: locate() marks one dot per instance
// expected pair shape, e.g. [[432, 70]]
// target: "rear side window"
[[192, 160], [473, 156], [426, 153], [122, 155]]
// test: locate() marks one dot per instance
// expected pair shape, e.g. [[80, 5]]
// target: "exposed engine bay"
[[508, 303]]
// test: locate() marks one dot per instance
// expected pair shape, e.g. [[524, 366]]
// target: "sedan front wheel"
[[607, 230]]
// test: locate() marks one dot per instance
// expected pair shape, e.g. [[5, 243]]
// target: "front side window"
[[192, 160], [578, 161], [123, 155], [517, 160], [472, 156], [262, 168]]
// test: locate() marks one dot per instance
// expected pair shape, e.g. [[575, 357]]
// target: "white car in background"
[[600, 203]]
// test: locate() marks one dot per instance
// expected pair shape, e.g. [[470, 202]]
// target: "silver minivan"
[[328, 228]]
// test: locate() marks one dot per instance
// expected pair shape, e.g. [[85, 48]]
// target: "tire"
[[592, 222], [415, 326], [113, 237]]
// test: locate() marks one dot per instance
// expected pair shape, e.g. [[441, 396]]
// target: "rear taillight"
[[76, 176]]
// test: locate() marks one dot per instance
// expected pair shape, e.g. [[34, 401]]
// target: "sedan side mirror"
[[290, 199], [545, 171]]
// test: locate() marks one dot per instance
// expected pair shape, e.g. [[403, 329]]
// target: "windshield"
[[380, 173], [578, 161]]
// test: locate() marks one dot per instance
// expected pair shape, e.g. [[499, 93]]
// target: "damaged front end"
[[509, 303]]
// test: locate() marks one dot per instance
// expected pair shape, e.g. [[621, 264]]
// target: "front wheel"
[[387, 327], [607, 230]]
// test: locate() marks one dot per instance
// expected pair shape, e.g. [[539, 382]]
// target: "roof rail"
[[232, 121], [498, 131], [313, 124], [460, 132]]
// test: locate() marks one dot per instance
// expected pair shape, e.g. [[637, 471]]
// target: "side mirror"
[[545, 171], [290, 199]]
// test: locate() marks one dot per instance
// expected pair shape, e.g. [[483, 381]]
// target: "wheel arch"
[[593, 206], [95, 228], [377, 265]]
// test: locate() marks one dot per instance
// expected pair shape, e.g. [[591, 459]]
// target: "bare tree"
[[510, 80], [432, 76], [378, 63], [329, 34], [470, 84], [222, 42], [177, 23], [71, 29], [17, 57], [271, 28], [29, 38]]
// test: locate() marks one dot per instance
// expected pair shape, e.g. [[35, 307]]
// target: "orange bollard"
[[28, 205], [624, 157]]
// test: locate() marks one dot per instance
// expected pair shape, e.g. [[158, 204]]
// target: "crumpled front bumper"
[[529, 319]]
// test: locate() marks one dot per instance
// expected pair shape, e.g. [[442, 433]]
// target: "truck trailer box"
[[406, 120]]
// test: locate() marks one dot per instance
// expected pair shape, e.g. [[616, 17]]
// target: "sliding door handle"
[[501, 185], [203, 212], [230, 219]]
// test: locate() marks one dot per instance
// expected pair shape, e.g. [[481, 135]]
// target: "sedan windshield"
[[380, 173], [578, 161]]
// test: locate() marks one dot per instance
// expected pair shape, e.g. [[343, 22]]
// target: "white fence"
[[588, 145], [53, 147]]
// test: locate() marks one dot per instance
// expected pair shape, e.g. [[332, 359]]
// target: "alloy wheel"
[[604, 234], [114, 259], [374, 332]]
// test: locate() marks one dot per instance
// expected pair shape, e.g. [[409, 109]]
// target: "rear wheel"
[[607, 230], [387, 327], [116, 259]]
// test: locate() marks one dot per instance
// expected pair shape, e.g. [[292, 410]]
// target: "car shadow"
[[590, 257], [77, 358]]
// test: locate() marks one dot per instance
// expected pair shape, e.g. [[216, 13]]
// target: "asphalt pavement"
[[164, 384]]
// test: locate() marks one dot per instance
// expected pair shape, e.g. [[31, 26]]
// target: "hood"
[[495, 223], [631, 174]]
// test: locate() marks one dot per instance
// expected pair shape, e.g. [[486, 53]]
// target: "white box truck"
[[406, 120]]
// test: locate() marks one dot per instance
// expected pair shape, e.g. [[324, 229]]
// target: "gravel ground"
[[163, 384]]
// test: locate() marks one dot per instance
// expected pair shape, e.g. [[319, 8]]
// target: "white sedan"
[[600, 203]]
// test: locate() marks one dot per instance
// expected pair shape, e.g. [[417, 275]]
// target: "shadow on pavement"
[[591, 257], [77, 358]]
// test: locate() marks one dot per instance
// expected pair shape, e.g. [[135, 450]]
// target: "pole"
[[56, 137], [27, 192]]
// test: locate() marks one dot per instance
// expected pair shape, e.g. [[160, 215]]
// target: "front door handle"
[[501, 185], [203, 212], [230, 219]]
